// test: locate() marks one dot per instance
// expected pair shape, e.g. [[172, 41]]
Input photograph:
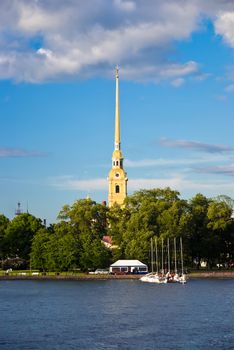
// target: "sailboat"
[[162, 278], [155, 277], [182, 278]]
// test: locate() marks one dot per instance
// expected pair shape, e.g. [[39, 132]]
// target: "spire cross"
[[117, 71]]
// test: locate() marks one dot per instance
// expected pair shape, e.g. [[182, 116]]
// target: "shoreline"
[[86, 277]]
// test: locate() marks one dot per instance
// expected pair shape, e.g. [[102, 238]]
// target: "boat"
[[168, 277], [182, 278], [154, 277]]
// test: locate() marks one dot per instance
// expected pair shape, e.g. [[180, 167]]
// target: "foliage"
[[19, 234], [75, 241], [4, 221]]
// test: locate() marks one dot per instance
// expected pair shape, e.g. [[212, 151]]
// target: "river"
[[64, 315]]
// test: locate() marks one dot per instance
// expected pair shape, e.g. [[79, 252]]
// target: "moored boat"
[[163, 277]]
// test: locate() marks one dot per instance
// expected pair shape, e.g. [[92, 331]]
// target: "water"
[[119, 315]]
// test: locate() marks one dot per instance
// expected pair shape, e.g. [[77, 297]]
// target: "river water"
[[54, 315]]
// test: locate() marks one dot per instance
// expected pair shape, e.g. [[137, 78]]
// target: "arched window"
[[117, 189], [117, 163]]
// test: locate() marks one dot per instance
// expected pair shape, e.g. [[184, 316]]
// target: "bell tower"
[[117, 176]]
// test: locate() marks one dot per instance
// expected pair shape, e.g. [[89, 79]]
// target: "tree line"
[[74, 242]]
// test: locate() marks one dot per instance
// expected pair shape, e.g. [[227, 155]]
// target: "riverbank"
[[87, 277]]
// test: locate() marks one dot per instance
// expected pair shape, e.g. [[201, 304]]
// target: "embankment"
[[87, 277]]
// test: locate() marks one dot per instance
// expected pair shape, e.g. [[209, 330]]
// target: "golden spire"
[[117, 120], [117, 176]]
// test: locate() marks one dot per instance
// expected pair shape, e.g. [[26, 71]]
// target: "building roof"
[[107, 239], [125, 263]]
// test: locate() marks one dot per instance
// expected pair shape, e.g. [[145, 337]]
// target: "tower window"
[[117, 163], [117, 189], [114, 163]]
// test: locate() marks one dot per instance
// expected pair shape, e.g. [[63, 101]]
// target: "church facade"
[[117, 176]]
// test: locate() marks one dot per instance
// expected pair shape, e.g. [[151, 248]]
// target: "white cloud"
[[210, 186], [178, 82], [224, 25], [141, 183], [68, 182], [77, 38]]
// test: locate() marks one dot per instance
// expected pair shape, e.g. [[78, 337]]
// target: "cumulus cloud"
[[195, 145], [76, 38], [68, 39], [19, 153], [224, 26]]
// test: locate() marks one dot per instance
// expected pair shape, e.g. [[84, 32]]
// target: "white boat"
[[162, 278], [153, 278], [182, 278]]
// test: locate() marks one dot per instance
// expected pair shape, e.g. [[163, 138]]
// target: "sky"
[[57, 99]]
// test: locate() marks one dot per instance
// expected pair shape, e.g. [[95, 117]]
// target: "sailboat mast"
[[156, 253], [152, 256], [162, 258], [181, 256], [168, 256], [175, 255]]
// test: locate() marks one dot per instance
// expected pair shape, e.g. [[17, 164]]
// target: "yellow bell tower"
[[117, 176]]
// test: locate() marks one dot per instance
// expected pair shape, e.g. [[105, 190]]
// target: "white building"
[[128, 266]]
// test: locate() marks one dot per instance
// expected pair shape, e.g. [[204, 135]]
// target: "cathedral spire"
[[117, 119], [117, 175]]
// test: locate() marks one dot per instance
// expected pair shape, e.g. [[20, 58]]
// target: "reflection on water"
[[116, 315]]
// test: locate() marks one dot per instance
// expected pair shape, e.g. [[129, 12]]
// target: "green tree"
[[4, 221], [219, 224], [197, 236], [86, 221], [19, 234], [151, 213], [38, 253], [93, 253], [86, 215]]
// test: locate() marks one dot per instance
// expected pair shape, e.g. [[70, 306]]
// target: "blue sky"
[[57, 96]]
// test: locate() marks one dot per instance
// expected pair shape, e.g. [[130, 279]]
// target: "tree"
[[86, 221], [86, 215], [38, 253], [93, 253], [219, 225], [4, 221], [19, 234], [196, 238], [148, 214]]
